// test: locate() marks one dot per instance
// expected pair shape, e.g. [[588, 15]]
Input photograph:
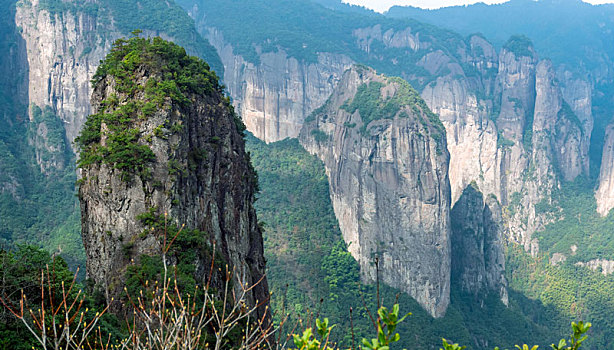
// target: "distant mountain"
[[573, 34], [566, 31]]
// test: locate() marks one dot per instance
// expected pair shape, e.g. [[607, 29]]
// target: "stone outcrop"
[[389, 186], [478, 260], [605, 191], [606, 267], [63, 51], [191, 164], [275, 95]]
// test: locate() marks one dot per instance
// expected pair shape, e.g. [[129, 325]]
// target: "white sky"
[[384, 5]]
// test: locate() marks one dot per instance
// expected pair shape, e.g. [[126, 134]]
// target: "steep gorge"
[[510, 127]]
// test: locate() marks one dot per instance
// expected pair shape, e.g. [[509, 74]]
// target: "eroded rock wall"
[[478, 260], [63, 52], [390, 190], [275, 95], [200, 175]]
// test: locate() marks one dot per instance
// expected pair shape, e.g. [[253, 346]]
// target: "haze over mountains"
[[462, 157]]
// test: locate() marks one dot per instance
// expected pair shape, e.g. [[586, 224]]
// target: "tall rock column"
[[478, 260], [387, 161], [605, 191], [164, 139]]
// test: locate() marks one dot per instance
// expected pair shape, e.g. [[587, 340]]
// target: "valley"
[[461, 169]]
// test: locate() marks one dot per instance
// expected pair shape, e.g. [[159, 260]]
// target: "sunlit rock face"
[[389, 186], [605, 191]]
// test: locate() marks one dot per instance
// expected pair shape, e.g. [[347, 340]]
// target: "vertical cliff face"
[[275, 95], [156, 146], [472, 134], [63, 51], [65, 42], [605, 191], [386, 157], [510, 130], [486, 99], [478, 261]]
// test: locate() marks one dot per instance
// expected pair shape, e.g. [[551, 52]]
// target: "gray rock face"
[[605, 191], [498, 133], [390, 189], [478, 261], [275, 96], [605, 266], [201, 177], [63, 52], [515, 137]]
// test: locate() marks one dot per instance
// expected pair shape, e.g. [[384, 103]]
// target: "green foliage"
[[519, 45], [39, 208], [386, 325], [319, 135], [186, 247], [577, 338], [578, 223], [174, 77], [502, 142], [309, 267], [309, 341], [371, 105], [451, 346], [567, 113]]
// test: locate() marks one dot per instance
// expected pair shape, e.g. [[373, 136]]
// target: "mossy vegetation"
[[520, 46], [372, 105], [172, 77], [187, 246], [568, 113]]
